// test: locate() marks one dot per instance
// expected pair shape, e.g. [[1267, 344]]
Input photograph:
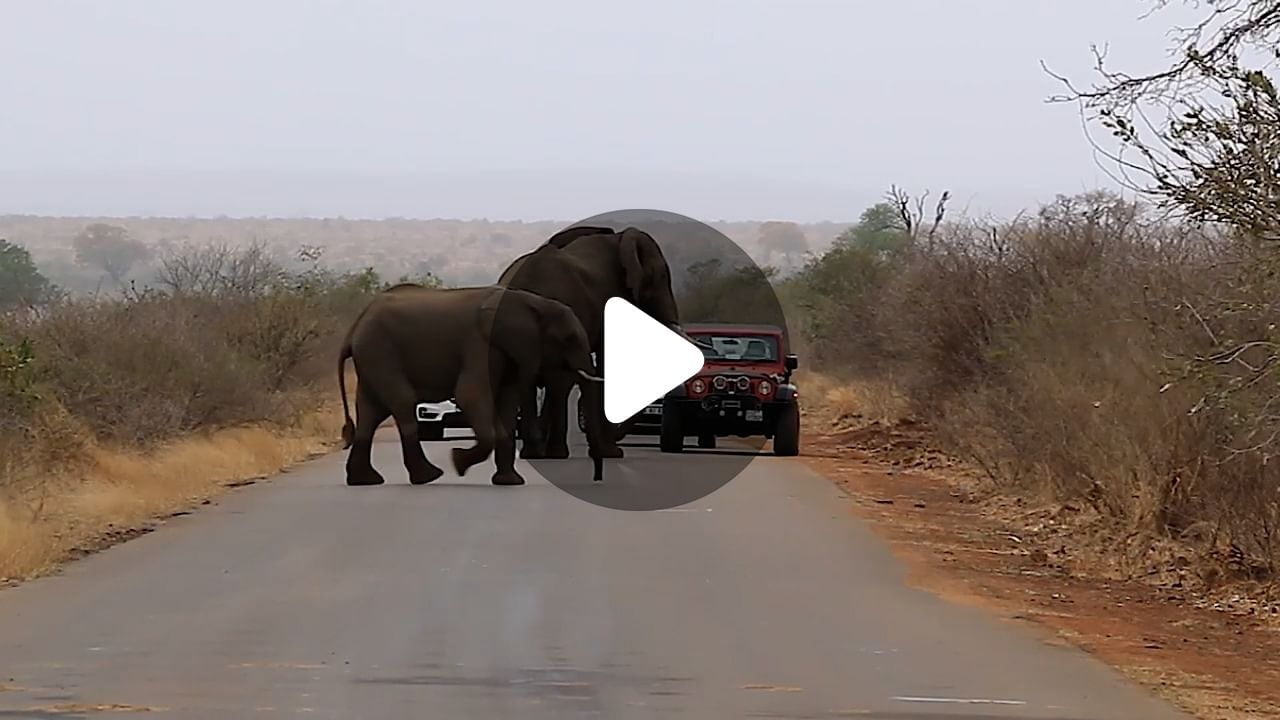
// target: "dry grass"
[[115, 492], [118, 410], [837, 403], [1062, 356]]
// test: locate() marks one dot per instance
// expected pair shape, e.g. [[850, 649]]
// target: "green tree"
[[836, 292], [21, 283], [880, 233]]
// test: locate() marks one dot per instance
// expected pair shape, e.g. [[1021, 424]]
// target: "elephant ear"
[[632, 244]]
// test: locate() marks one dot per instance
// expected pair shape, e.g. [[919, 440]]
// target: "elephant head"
[[540, 330], [648, 278]]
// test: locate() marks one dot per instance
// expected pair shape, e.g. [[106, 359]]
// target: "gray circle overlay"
[[713, 281]]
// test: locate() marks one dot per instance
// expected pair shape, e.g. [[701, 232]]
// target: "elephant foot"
[[507, 478], [426, 475], [356, 478], [464, 458]]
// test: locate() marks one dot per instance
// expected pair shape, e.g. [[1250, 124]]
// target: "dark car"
[[743, 390], [646, 422]]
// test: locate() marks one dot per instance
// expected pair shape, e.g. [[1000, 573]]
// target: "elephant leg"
[[504, 447], [593, 395], [402, 399], [555, 407], [476, 402], [534, 442], [421, 470], [593, 399], [369, 415]]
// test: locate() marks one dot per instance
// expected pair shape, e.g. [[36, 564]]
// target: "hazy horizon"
[[804, 111]]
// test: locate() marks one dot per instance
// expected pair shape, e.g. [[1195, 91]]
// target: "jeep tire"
[[786, 436]]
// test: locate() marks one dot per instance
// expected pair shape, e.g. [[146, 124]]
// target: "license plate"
[[653, 411], [755, 415], [732, 403]]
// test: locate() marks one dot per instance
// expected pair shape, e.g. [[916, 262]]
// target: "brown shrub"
[[234, 340], [1066, 355]]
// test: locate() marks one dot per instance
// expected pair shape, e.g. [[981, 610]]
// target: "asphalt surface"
[[302, 597]]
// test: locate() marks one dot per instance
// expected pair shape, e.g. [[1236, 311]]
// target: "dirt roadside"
[[1213, 652]]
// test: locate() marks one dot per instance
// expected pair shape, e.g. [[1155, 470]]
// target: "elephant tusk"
[[588, 376]]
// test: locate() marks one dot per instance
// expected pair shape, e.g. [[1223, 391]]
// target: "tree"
[[879, 233], [783, 238], [1204, 133], [109, 248], [735, 294], [1204, 138], [21, 284]]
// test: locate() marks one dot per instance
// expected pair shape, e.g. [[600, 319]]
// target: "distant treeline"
[[90, 254]]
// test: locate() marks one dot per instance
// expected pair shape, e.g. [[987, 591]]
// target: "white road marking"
[[960, 701]]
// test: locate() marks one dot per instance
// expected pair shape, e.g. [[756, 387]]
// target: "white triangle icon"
[[643, 360]]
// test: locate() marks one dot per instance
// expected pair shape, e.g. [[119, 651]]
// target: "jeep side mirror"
[[791, 362]]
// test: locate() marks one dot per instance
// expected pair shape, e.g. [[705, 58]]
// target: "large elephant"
[[583, 267], [483, 346]]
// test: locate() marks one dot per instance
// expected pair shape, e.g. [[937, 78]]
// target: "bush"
[[1090, 352], [230, 337]]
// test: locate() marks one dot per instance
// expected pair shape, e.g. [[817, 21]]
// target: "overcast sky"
[[720, 109]]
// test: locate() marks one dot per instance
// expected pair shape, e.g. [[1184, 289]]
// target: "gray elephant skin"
[[583, 267], [482, 346]]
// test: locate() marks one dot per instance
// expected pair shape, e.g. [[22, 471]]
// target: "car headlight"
[[765, 388], [698, 385]]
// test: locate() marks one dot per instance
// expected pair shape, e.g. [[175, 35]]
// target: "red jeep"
[[744, 389]]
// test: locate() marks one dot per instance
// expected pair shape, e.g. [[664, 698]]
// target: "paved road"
[[304, 598]]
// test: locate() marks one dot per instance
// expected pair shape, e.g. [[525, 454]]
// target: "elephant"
[[583, 267], [483, 346]]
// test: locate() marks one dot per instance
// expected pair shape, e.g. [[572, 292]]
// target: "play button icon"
[[643, 360]]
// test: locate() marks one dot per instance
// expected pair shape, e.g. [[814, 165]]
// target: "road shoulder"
[[969, 545]]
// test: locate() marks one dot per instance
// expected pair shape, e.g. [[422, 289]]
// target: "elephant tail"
[[348, 427]]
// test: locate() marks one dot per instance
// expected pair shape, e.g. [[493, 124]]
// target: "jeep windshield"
[[737, 348]]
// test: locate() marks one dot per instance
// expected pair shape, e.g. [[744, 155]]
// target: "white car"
[[434, 417]]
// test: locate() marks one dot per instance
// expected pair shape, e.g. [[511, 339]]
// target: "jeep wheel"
[[786, 436], [706, 442], [670, 436]]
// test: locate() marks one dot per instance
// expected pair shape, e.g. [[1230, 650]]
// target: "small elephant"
[[483, 346], [583, 267]]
